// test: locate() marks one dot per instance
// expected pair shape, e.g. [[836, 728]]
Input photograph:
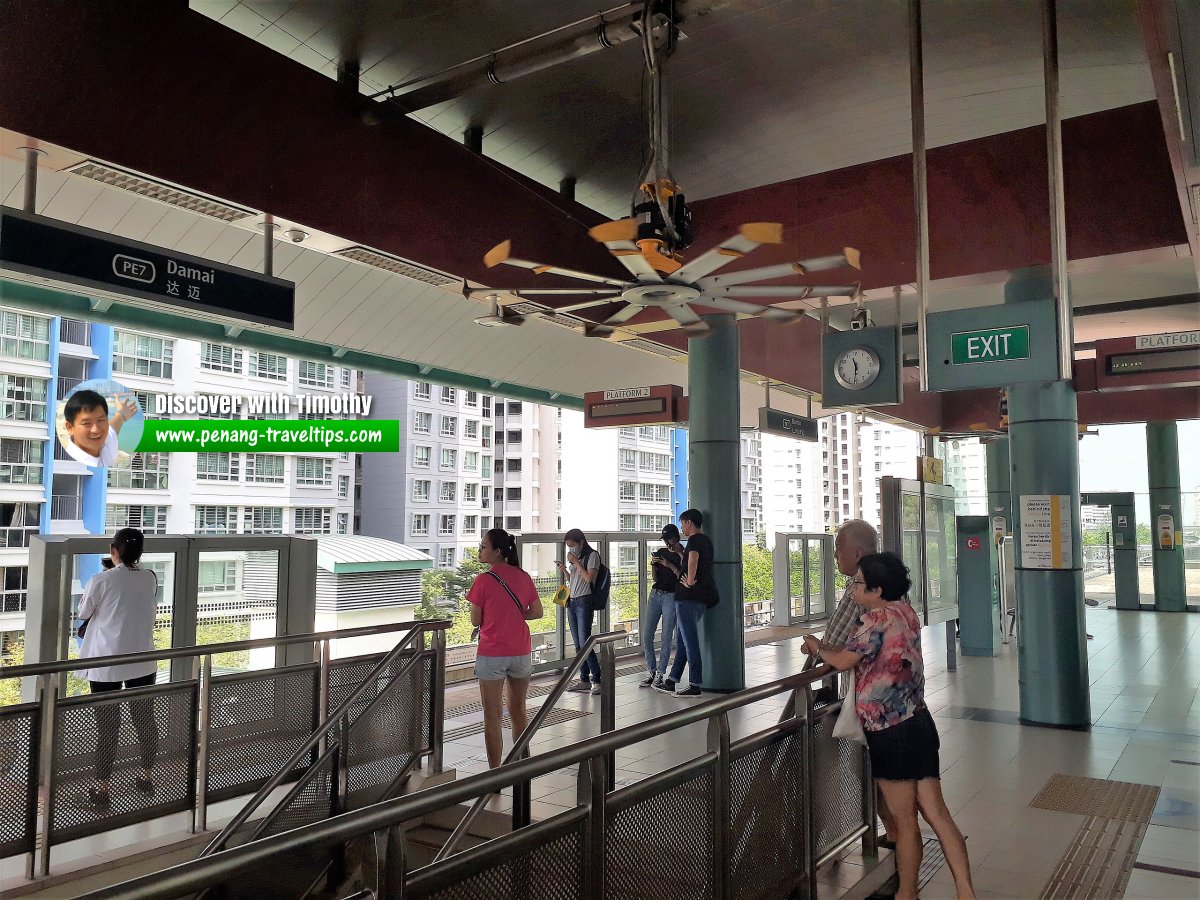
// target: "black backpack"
[[601, 586]]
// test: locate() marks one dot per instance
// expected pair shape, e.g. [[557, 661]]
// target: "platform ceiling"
[[788, 111]]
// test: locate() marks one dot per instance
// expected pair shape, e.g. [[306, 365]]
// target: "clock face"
[[856, 368]]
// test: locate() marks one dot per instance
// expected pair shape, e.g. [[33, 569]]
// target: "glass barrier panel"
[[797, 554], [540, 561], [758, 587], [237, 599], [625, 600]]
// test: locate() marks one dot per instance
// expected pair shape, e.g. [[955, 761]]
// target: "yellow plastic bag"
[[561, 596]]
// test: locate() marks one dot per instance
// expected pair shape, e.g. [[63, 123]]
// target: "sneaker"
[[648, 681], [581, 687], [99, 798], [658, 680], [144, 785], [596, 687], [690, 691], [667, 686]]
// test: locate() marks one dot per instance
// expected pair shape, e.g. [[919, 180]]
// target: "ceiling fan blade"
[[487, 293], [624, 315], [616, 230], [500, 255], [687, 318], [792, 291], [749, 237], [618, 237], [749, 309], [848, 257]]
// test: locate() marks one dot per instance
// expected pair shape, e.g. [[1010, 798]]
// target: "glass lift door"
[[803, 575], [918, 525]]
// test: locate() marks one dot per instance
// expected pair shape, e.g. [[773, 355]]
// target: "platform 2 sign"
[[39, 246], [662, 404], [1148, 360]]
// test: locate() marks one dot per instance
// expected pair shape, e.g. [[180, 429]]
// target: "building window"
[[513, 523], [23, 398], [747, 526], [216, 467], [217, 576], [628, 432], [627, 491], [421, 390], [316, 374], [345, 376], [485, 466], [144, 471], [470, 524], [420, 524], [343, 523], [514, 494], [264, 468], [487, 407], [449, 426], [470, 493], [216, 519], [628, 523], [344, 486], [23, 336], [13, 595], [654, 523], [654, 493], [140, 354], [514, 465], [21, 461], [449, 395], [471, 400], [499, 467], [471, 429], [272, 366], [514, 407], [422, 422], [627, 557], [514, 439], [450, 459], [487, 436], [654, 433], [420, 491], [262, 520], [312, 520], [471, 461], [314, 471], [422, 456], [446, 558], [653, 462], [221, 357], [627, 459], [446, 525], [150, 519], [448, 492]]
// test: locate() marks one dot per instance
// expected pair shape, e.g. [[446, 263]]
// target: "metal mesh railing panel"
[[390, 734], [19, 726], [124, 730], [310, 800], [346, 675], [549, 871], [661, 845], [837, 788], [256, 722], [766, 805]]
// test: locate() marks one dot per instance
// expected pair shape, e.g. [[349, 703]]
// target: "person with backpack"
[[697, 592], [582, 567], [503, 601]]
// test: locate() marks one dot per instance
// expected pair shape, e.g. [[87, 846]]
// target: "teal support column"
[[1052, 642], [714, 488], [999, 495], [1166, 524]]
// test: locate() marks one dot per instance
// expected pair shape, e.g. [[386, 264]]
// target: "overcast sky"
[[1115, 460]]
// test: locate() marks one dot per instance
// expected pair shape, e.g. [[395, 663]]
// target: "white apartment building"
[[751, 489], [855, 453], [793, 501], [436, 494], [646, 490], [966, 472], [525, 487]]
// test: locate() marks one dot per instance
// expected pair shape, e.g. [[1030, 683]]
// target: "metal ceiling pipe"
[[31, 175], [1058, 213], [916, 70]]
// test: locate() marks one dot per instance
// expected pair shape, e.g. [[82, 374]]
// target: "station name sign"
[[35, 245], [662, 404], [776, 421], [1164, 341]]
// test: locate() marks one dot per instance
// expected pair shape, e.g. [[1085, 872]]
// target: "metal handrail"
[[521, 744], [196, 875], [418, 629], [68, 665]]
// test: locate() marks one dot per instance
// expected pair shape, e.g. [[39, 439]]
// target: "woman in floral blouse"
[[889, 675]]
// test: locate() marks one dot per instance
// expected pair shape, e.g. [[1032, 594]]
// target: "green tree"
[[757, 582]]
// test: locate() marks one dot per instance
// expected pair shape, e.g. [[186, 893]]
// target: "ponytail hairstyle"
[[504, 544], [129, 544]]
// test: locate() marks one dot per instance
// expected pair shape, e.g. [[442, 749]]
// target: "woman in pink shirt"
[[502, 600]]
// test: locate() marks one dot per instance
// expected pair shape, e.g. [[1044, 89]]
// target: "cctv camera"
[[296, 235]]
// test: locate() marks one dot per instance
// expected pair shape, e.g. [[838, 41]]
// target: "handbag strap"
[[508, 591]]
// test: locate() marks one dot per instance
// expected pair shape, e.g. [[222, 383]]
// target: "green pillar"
[[999, 495], [1166, 524], [1044, 461], [714, 488]]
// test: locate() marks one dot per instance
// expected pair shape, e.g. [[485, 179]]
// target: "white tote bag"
[[847, 727]]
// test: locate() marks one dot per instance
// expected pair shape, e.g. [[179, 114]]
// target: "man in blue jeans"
[[697, 589], [580, 568], [667, 564]]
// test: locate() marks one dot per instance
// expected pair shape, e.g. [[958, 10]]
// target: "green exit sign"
[[990, 345]]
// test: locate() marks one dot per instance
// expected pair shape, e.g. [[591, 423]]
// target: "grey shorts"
[[493, 668]]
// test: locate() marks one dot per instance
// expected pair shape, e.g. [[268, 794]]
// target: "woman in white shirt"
[[119, 606]]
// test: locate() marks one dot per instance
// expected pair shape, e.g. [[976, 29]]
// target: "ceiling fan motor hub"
[[660, 294]]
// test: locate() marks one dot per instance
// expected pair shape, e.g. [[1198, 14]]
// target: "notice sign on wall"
[[1046, 531]]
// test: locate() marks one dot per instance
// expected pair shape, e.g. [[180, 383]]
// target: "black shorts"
[[908, 751]]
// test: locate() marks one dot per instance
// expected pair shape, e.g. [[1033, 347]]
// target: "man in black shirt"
[[666, 564], [696, 592]]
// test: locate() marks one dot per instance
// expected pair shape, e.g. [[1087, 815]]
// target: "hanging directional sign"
[[776, 421], [36, 245]]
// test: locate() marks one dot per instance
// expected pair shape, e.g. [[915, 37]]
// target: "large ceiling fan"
[[649, 243]]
